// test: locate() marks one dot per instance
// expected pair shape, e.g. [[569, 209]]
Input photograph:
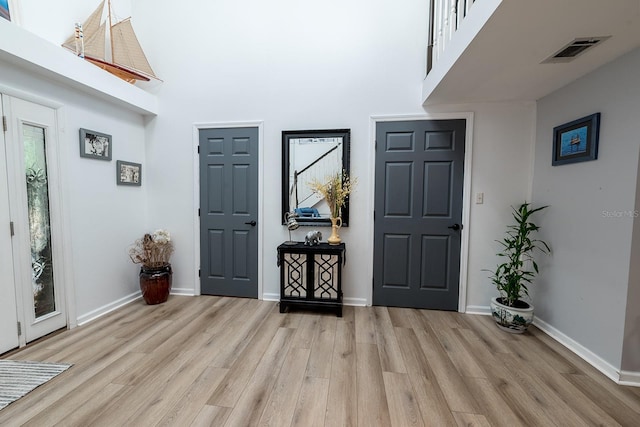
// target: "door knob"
[[251, 223], [455, 227]]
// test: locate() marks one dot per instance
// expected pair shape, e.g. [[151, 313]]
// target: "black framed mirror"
[[309, 155]]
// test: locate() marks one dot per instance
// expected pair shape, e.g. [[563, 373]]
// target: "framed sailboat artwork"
[[112, 46], [576, 141], [4, 10]]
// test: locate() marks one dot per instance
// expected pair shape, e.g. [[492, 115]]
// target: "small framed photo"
[[4, 10], [95, 145], [576, 141], [128, 173]]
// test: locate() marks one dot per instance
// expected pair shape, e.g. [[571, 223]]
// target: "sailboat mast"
[[110, 27]]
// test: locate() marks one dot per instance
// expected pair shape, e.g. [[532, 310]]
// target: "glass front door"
[[35, 161], [34, 204]]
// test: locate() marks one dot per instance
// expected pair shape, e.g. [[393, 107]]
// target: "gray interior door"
[[418, 213], [229, 211]]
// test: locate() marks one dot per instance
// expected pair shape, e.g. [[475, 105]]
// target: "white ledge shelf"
[[30, 52]]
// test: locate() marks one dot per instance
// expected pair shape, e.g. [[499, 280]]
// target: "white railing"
[[317, 170], [445, 16]]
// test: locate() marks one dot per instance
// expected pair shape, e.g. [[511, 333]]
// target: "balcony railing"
[[445, 16]]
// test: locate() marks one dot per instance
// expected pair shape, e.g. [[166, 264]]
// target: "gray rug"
[[18, 377]]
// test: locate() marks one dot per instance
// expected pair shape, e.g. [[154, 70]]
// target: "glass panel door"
[[39, 224], [35, 208]]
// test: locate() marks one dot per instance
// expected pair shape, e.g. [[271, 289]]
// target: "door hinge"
[[199, 271], [4, 123], [19, 328], [13, 233], [198, 149], [198, 211]]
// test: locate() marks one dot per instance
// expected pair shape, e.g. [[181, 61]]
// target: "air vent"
[[574, 49]]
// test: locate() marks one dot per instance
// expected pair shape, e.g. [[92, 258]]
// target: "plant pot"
[[334, 239], [155, 283], [511, 319]]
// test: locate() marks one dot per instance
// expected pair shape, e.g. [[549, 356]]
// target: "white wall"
[[293, 65], [304, 66], [325, 65], [103, 218], [582, 290], [55, 21], [631, 347], [502, 148]]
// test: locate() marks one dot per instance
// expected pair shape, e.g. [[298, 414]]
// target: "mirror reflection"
[[308, 156]]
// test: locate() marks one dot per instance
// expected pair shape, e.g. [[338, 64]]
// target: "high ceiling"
[[504, 60]]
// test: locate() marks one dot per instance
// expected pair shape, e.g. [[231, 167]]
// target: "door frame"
[[57, 168], [196, 194], [466, 191]]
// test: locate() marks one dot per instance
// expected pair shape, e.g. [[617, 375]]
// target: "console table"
[[311, 276]]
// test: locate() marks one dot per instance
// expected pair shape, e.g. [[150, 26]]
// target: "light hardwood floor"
[[239, 362]]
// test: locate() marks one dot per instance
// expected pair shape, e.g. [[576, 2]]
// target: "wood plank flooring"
[[214, 361]]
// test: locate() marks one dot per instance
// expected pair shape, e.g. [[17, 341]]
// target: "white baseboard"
[[620, 377], [108, 308], [629, 378], [271, 297], [358, 302], [189, 292], [478, 309]]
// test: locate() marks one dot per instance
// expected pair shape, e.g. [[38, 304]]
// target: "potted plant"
[[152, 252], [335, 190], [513, 276]]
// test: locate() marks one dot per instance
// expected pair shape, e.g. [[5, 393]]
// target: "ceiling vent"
[[574, 49]]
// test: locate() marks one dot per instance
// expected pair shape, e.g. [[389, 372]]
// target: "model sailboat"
[[118, 52]]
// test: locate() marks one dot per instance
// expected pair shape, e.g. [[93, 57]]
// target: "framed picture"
[[309, 155], [4, 10], [95, 145], [128, 173], [576, 141]]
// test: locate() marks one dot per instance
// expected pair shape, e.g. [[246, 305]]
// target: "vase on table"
[[334, 239], [155, 283]]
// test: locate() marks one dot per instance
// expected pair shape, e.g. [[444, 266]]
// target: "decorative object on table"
[[335, 190], [576, 141], [128, 173], [512, 277], [95, 145], [113, 47], [152, 252], [313, 238], [292, 224]]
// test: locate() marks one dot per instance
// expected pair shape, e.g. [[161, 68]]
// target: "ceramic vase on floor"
[[155, 283], [334, 239], [511, 319]]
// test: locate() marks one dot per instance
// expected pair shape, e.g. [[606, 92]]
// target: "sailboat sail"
[[90, 29], [127, 50], [94, 46], [125, 58]]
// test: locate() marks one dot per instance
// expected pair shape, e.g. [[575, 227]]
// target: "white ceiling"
[[503, 62]]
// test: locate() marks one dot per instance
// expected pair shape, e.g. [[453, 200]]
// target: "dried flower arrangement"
[[152, 250], [335, 190]]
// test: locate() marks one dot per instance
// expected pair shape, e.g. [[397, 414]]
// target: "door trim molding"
[[466, 191], [196, 194], [60, 220]]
